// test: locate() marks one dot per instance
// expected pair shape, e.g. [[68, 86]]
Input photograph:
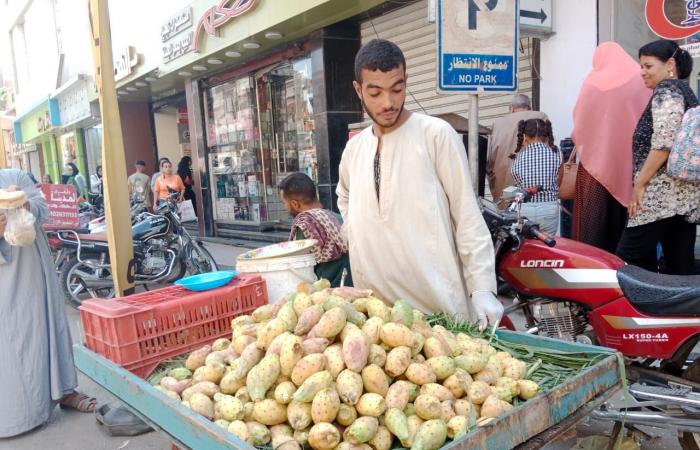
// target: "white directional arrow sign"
[[536, 15]]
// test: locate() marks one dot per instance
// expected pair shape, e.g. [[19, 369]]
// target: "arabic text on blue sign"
[[477, 70]]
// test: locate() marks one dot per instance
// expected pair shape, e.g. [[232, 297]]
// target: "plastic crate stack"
[[140, 331]]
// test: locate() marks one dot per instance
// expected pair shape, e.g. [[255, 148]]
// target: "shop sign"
[[183, 131], [660, 24], [124, 62], [177, 47], [218, 15], [62, 200], [73, 104], [43, 123], [177, 23], [535, 16], [479, 49]]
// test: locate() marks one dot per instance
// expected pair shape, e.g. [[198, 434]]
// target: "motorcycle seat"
[[100, 237], [658, 294]]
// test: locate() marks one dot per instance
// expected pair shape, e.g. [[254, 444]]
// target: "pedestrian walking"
[[38, 371], [96, 181], [167, 182], [312, 221], [662, 209], [73, 177], [414, 225], [613, 89], [536, 163], [184, 170], [140, 184], [155, 177], [503, 139]]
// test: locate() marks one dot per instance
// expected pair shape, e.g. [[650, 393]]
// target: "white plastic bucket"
[[282, 275]]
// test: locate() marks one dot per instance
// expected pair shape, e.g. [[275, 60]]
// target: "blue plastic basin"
[[206, 281]]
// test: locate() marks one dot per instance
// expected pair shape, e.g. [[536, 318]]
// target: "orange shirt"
[[168, 181]]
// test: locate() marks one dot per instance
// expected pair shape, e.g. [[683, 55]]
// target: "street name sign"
[[477, 45]]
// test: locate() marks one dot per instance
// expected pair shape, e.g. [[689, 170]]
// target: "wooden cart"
[[528, 426]]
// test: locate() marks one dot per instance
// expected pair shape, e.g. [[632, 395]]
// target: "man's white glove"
[[487, 308]]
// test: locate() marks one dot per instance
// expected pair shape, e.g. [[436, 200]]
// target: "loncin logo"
[[660, 24]]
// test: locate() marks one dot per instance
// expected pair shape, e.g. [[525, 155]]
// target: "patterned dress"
[[664, 196]]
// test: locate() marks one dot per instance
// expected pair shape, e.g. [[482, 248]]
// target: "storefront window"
[[259, 130], [93, 147], [292, 127], [234, 147]]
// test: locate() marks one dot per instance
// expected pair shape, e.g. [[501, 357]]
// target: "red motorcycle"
[[573, 291]]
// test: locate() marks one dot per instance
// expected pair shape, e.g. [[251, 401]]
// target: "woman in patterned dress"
[[537, 162], [662, 209]]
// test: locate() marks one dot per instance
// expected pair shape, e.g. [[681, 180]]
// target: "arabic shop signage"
[[62, 201], [175, 43], [660, 24], [477, 45], [176, 24], [218, 15], [125, 60]]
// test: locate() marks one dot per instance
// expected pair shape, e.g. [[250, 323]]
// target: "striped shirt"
[[538, 165]]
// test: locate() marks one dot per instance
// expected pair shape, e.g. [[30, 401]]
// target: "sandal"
[[79, 402]]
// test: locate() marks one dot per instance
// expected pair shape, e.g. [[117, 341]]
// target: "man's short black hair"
[[140, 162], [378, 54], [299, 186]]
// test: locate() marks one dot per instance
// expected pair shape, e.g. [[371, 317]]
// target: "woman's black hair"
[[664, 49], [97, 171], [74, 168], [183, 168], [535, 128]]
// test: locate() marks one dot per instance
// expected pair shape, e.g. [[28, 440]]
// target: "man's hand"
[[487, 307], [3, 223]]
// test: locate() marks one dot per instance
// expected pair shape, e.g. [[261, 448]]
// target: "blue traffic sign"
[[477, 45]]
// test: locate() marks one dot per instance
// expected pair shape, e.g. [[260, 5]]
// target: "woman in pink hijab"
[[609, 105]]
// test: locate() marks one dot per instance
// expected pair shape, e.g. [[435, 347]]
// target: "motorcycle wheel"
[[688, 440], [74, 285], [200, 260]]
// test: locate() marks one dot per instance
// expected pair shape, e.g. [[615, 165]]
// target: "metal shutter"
[[408, 27]]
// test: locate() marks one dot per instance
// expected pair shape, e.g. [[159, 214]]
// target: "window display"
[[259, 130], [234, 146]]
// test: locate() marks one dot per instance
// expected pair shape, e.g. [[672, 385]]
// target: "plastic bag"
[[19, 230]]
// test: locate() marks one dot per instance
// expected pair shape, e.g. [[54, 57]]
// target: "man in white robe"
[[414, 226]]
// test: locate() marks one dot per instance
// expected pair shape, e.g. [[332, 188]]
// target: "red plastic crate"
[[140, 331]]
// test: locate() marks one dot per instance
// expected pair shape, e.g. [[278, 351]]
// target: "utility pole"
[[118, 214]]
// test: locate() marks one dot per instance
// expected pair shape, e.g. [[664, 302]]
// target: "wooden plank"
[[116, 197], [169, 415]]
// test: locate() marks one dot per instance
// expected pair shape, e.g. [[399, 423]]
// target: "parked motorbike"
[[163, 251], [576, 292], [62, 253]]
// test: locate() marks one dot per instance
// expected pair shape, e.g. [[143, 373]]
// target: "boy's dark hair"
[[299, 186], [378, 54], [663, 50]]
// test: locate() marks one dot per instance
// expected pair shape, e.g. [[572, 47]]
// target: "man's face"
[[383, 94], [293, 205]]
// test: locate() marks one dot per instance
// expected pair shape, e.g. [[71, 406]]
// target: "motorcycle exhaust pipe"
[[647, 394]]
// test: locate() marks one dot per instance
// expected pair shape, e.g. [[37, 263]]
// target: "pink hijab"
[[609, 105]]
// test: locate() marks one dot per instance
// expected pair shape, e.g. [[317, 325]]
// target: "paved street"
[[76, 431]]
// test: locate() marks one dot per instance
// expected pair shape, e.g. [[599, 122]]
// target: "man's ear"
[[358, 89]]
